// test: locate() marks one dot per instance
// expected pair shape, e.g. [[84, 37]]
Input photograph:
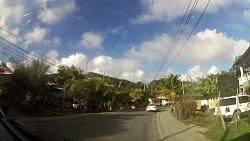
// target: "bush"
[[188, 107]]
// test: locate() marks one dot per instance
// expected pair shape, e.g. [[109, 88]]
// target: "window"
[[229, 101], [243, 99]]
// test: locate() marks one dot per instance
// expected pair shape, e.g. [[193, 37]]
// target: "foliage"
[[228, 83], [188, 107], [210, 86], [171, 86]]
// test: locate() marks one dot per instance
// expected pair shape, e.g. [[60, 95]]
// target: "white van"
[[228, 106]]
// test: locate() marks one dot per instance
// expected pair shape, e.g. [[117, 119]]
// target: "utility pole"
[[87, 66], [218, 108], [183, 92]]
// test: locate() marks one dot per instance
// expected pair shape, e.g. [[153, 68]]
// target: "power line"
[[25, 43], [27, 51], [149, 32], [178, 34], [189, 34]]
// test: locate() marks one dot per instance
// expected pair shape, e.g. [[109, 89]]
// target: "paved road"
[[122, 126]]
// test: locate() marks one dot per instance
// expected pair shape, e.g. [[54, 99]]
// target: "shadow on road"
[[174, 134], [92, 127]]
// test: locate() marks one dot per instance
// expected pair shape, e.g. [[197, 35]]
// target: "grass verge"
[[215, 130]]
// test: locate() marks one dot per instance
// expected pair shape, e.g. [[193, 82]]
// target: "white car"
[[228, 106], [152, 107]]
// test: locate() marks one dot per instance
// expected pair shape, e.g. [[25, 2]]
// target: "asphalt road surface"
[[136, 125]]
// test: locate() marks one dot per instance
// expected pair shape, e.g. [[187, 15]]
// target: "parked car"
[[152, 107], [228, 106]]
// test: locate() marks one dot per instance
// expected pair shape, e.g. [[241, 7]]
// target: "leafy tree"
[[210, 86], [171, 86], [228, 83], [67, 75], [91, 92]]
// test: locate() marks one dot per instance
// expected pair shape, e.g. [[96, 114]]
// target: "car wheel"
[[235, 115]]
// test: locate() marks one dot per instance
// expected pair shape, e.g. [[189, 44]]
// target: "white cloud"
[[52, 56], [168, 10], [56, 12], [133, 76], [195, 72], [36, 35], [77, 60], [211, 46], [102, 61], [11, 11], [124, 68], [91, 40], [154, 49], [213, 70]]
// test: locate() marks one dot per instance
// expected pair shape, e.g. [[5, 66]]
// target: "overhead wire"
[[25, 43], [149, 33], [177, 35], [189, 34], [27, 51]]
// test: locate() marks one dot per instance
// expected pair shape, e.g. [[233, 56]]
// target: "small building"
[[244, 80], [163, 101], [156, 101]]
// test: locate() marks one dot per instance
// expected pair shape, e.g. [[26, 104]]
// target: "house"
[[163, 101], [244, 63], [156, 101]]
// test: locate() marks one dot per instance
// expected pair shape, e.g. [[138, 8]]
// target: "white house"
[[244, 63], [161, 101]]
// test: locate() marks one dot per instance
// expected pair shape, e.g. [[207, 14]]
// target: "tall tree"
[[171, 86], [228, 83]]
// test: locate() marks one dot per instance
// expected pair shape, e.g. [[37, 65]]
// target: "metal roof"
[[245, 58]]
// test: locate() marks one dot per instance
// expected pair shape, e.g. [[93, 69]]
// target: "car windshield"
[[123, 69]]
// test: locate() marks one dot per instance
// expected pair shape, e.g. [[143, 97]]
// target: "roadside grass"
[[215, 131]]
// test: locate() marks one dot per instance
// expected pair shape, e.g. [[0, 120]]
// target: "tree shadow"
[[174, 134], [244, 137], [91, 127]]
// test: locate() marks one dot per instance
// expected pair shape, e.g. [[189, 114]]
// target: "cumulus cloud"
[[212, 46], [77, 60], [102, 61], [133, 76], [213, 70], [11, 11], [195, 72], [154, 49], [56, 12], [52, 56], [91, 40], [168, 10], [36, 35]]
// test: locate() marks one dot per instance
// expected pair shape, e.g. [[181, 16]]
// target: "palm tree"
[[170, 86]]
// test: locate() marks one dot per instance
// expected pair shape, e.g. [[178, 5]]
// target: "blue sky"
[[123, 38]]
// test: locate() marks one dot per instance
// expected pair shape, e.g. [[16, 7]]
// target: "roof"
[[245, 58], [5, 72], [154, 99]]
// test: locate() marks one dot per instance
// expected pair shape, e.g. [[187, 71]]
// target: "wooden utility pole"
[[183, 92], [237, 114], [218, 109]]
